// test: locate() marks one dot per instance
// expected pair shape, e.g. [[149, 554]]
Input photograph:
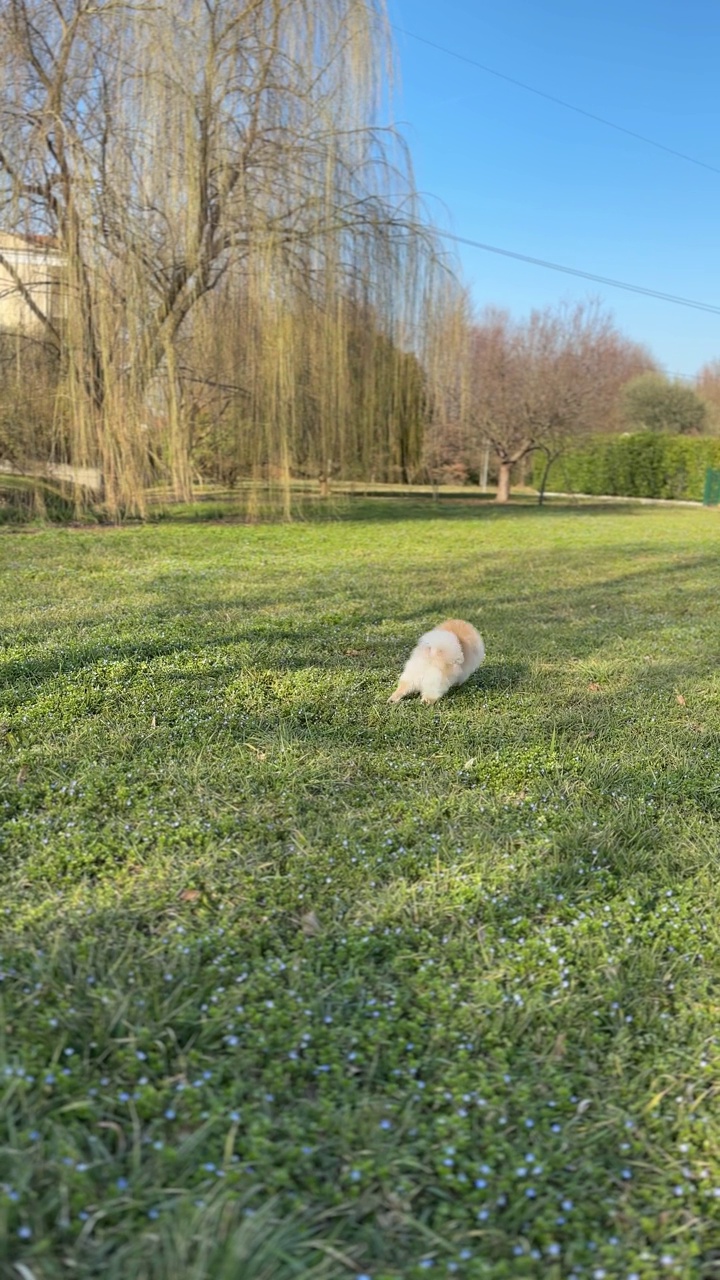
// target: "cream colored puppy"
[[443, 657]]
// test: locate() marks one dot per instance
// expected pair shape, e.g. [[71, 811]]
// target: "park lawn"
[[295, 983]]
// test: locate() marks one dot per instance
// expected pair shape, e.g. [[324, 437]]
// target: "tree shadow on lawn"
[[388, 509], [628, 602]]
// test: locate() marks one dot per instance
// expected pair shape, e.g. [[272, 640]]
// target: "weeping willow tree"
[[447, 448], [245, 276], [315, 387]]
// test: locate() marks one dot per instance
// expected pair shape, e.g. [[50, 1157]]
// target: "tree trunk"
[[543, 483], [484, 468], [503, 483]]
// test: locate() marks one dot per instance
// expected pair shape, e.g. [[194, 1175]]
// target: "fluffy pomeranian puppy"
[[445, 656]]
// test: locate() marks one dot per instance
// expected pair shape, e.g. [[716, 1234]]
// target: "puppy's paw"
[[401, 692], [428, 701]]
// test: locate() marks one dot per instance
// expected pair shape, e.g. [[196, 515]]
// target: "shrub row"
[[645, 465]]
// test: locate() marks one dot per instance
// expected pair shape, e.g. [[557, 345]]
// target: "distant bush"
[[642, 465], [655, 403]]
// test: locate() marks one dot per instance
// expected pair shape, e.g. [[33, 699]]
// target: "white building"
[[29, 265]]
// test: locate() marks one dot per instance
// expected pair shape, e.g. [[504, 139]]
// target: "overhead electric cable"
[[560, 102], [585, 275]]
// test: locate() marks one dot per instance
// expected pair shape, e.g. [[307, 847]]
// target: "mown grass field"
[[295, 983]]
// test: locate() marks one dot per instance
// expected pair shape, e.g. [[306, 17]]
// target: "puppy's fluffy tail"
[[471, 643]]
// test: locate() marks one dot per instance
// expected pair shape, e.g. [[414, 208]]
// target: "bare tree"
[[539, 384], [168, 148], [708, 387]]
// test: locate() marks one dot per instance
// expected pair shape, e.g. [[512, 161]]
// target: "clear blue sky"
[[507, 168]]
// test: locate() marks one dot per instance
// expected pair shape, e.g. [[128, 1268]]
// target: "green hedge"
[[645, 465]]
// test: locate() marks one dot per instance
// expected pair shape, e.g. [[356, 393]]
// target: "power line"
[[560, 102], [585, 275]]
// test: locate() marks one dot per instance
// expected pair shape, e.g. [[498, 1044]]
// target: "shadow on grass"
[[369, 508], [379, 509], [627, 604]]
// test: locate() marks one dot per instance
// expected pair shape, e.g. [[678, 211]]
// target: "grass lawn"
[[295, 983]]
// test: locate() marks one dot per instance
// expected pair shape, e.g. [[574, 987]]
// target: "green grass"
[[295, 983]]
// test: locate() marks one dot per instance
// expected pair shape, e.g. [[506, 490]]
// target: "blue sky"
[[505, 167]]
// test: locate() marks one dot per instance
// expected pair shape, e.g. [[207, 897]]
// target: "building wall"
[[40, 268]]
